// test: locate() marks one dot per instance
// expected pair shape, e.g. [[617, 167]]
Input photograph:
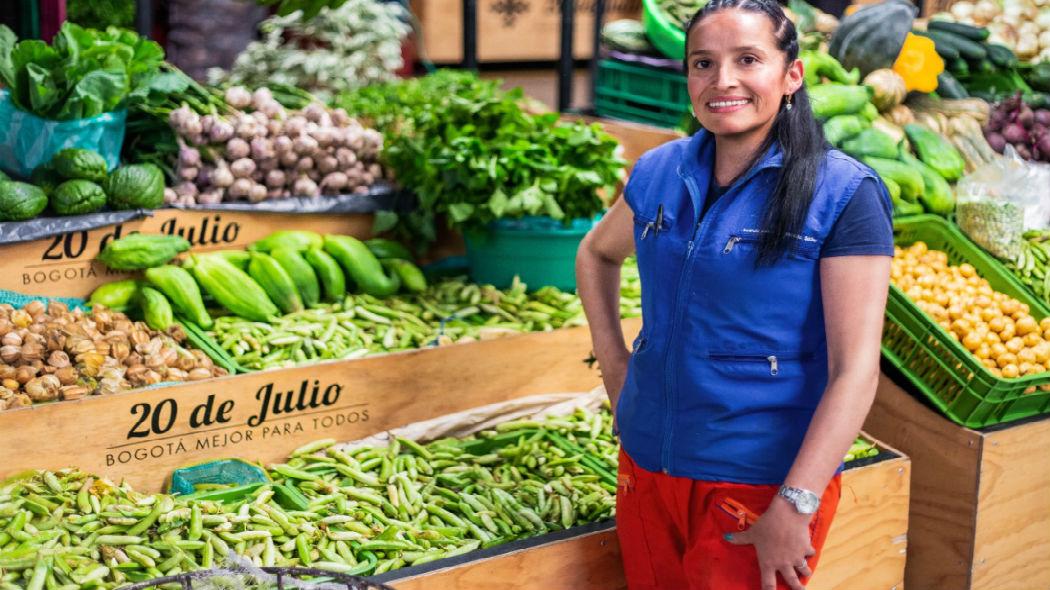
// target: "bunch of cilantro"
[[471, 153]]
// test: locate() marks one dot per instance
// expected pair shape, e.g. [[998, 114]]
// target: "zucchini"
[[959, 67], [966, 47], [985, 66], [1001, 55], [963, 30], [947, 52], [949, 87]]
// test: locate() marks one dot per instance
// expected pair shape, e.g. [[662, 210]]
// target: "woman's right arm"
[[598, 263]]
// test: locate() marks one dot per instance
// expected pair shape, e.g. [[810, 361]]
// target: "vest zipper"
[[773, 370], [729, 245]]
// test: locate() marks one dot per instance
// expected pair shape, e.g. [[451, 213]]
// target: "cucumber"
[[949, 87], [967, 48], [947, 52], [959, 67], [963, 30], [985, 65], [1001, 55]]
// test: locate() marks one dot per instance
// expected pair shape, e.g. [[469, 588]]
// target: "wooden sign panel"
[[64, 265], [513, 30], [143, 435]]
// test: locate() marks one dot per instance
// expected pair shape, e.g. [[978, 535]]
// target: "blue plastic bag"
[[27, 141]]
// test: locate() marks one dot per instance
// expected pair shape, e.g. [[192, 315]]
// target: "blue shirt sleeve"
[[865, 226]]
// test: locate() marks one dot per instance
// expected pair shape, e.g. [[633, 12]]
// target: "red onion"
[[1015, 133], [1025, 116], [1042, 117], [1043, 145], [996, 141]]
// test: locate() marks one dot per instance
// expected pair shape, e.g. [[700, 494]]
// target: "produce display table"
[[865, 549], [979, 516], [143, 435]]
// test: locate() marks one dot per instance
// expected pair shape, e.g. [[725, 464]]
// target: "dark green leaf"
[[8, 39], [98, 92], [43, 93], [384, 221], [460, 212]]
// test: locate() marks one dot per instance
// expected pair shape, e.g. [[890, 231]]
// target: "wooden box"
[[980, 500], [865, 548], [64, 265], [143, 435], [512, 30]]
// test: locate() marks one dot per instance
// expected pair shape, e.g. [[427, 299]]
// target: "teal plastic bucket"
[[541, 251]]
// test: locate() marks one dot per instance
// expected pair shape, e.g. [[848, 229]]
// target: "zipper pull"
[[729, 245], [645, 231], [659, 219], [773, 370]]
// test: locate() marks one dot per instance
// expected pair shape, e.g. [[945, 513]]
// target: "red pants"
[[671, 530]]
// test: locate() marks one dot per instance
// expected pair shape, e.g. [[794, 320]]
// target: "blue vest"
[[731, 361]]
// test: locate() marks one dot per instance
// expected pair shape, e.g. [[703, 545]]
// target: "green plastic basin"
[[541, 251], [665, 35]]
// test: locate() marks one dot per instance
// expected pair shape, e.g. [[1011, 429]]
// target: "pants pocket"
[[631, 527]]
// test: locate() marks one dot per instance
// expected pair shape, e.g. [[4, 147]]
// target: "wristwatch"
[[804, 501]]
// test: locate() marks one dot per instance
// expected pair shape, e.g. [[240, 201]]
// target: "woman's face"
[[737, 75]]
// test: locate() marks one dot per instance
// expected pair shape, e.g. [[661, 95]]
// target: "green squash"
[[872, 37], [138, 186], [45, 177], [77, 197], [871, 143], [20, 201], [76, 163]]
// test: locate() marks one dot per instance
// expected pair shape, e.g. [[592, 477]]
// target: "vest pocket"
[[772, 359]]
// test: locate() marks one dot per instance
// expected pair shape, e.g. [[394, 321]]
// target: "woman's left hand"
[[782, 541]]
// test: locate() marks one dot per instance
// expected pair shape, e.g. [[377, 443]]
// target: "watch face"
[[807, 503]]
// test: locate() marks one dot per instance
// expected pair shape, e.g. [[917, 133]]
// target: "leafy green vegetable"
[[472, 153], [100, 14], [83, 73]]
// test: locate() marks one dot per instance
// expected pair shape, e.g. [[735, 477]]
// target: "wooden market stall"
[[980, 515]]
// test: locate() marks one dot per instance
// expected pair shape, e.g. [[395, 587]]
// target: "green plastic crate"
[[540, 251], [641, 94], [938, 365]]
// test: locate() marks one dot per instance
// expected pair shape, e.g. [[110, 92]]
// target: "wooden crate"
[[512, 30], [65, 265], [143, 435], [865, 548], [980, 505]]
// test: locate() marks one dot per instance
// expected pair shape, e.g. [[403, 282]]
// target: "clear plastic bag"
[[999, 201], [27, 141]]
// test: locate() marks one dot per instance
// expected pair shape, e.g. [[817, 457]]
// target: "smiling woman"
[[764, 261]]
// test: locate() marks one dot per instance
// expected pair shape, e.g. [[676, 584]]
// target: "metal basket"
[[283, 575]]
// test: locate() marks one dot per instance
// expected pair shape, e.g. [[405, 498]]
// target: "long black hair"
[[800, 137]]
